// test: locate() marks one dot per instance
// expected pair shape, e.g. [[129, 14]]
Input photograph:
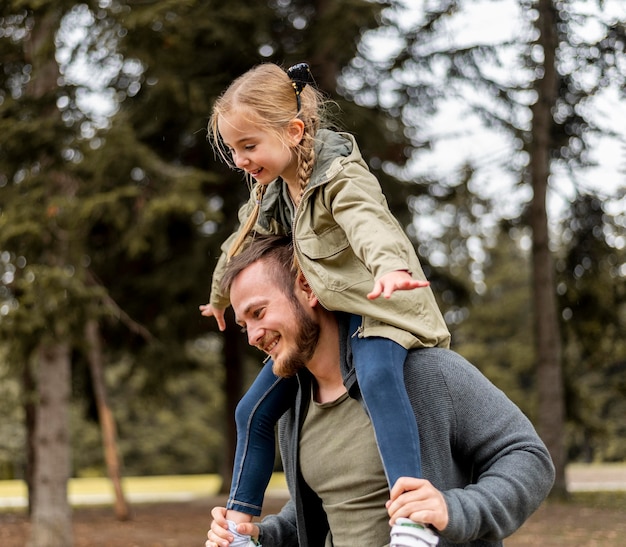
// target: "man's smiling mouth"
[[267, 348]]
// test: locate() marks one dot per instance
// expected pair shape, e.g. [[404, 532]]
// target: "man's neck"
[[324, 365]]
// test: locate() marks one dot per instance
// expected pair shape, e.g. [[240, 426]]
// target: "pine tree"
[[128, 231], [45, 292], [592, 297], [533, 92]]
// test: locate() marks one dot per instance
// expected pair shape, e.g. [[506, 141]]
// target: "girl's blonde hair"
[[268, 95]]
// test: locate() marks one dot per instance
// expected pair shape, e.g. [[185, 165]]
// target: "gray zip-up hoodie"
[[477, 448]]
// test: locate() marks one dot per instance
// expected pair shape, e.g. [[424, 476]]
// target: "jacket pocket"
[[329, 258]]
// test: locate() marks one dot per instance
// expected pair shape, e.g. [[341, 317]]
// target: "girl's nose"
[[240, 160]]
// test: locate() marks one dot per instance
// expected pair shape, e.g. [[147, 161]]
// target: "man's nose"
[[255, 335]]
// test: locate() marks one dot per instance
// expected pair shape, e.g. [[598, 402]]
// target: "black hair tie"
[[300, 75]]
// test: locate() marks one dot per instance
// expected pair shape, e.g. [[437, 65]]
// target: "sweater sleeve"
[[280, 530], [511, 472]]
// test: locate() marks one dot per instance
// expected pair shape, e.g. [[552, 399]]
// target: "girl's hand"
[[209, 311], [399, 280]]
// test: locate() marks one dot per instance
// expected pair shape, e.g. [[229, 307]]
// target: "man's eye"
[[244, 330]]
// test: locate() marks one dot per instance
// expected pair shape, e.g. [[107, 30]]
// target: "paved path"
[[589, 478]]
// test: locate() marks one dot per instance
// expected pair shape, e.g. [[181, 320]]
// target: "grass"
[[598, 500], [99, 490]]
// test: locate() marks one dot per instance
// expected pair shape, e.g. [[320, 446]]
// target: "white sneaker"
[[406, 533], [240, 539]]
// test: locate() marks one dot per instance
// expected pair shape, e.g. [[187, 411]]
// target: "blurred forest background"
[[113, 207]]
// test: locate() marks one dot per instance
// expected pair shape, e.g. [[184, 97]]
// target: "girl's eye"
[[250, 146]]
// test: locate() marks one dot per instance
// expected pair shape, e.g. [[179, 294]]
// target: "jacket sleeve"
[[356, 201], [280, 530], [512, 470], [217, 298]]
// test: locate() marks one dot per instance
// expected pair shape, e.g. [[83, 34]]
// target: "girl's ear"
[[295, 131]]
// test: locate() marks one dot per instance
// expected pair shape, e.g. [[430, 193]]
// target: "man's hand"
[[209, 311], [219, 536], [399, 280], [418, 500]]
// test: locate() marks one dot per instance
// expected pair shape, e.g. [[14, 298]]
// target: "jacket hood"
[[332, 151]]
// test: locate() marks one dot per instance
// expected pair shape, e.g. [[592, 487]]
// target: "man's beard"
[[307, 337]]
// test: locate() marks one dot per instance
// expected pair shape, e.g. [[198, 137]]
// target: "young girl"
[[313, 183]]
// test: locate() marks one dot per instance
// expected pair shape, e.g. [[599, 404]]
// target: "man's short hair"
[[275, 251]]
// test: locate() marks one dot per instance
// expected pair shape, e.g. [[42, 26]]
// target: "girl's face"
[[261, 153]]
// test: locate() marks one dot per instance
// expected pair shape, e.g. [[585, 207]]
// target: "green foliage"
[[121, 219], [593, 301], [46, 294], [11, 422], [177, 430], [601, 500], [497, 334]]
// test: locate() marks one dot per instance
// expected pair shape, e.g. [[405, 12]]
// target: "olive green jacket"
[[345, 237]]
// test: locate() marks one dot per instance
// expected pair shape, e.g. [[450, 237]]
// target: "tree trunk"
[[51, 513], [51, 517], [105, 416], [29, 387], [551, 424]]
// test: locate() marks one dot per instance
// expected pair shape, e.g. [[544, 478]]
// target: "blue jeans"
[[256, 415], [379, 365]]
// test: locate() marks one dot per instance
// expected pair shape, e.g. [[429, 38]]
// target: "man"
[[485, 468]]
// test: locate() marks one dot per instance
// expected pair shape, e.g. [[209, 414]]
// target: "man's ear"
[[295, 131], [303, 286]]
